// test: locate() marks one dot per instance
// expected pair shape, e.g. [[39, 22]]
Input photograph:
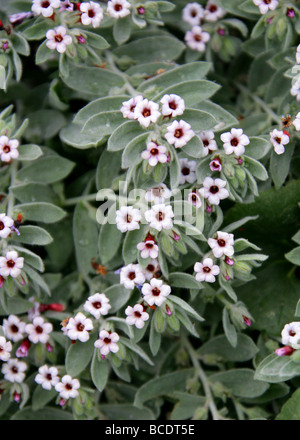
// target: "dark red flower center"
[[6, 149], [150, 268], [128, 218], [178, 133], [131, 275], [91, 13], [206, 269], [118, 7], [14, 328], [173, 105], [10, 263], [80, 327], [39, 329], [155, 291], [14, 370], [45, 4], [68, 386], [185, 171], [160, 216], [58, 38], [292, 333], [97, 304], [146, 112], [213, 8], [48, 376], [197, 37], [107, 340], [214, 189], [154, 151], [221, 242], [1, 226], [137, 314], [234, 142]]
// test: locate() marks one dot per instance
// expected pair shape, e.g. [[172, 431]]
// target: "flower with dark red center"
[[206, 271], [47, 377], [148, 249], [118, 8], [92, 14], [13, 328], [39, 330], [132, 275], [214, 190], [136, 315], [68, 387], [222, 245], [107, 342], [78, 328], [97, 305], [156, 292], [155, 153], [179, 133], [45, 7]]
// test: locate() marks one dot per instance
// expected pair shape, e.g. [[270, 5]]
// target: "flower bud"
[[22, 351], [284, 351]]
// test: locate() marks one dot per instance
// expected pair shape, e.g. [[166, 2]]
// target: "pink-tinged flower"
[[68, 387], [128, 107], [11, 264], [151, 269], [188, 171], [97, 305], [295, 90], [146, 112], [141, 10], [290, 12], [107, 342], [284, 351], [213, 12], [5, 349], [216, 164], [136, 316], [5, 225], [296, 121], [168, 310], [298, 54], [55, 307], [44, 7], [17, 397], [22, 351], [154, 154], [290, 335], [247, 320], [80, 39], [39, 330], [118, 8], [175, 236], [235, 141], [18, 18], [156, 292], [148, 249], [192, 13], [79, 328], [66, 5], [128, 218], [58, 39], [229, 261], [196, 38], [49, 347], [214, 190], [13, 328], [194, 199], [222, 245], [206, 271], [47, 377], [158, 194], [92, 13], [179, 133], [172, 105], [160, 217], [208, 140], [279, 139], [266, 5], [8, 149], [13, 370], [132, 275]]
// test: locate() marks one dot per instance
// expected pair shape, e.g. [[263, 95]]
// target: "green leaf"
[[123, 135], [276, 369], [99, 372], [154, 339], [20, 43], [219, 345], [187, 405], [133, 150], [192, 92], [33, 235], [43, 53], [184, 280], [107, 169], [229, 329], [122, 29], [41, 397], [48, 169], [47, 413], [17, 306], [240, 382], [102, 124], [100, 105], [291, 408], [223, 117], [129, 250], [72, 135], [280, 166], [109, 241], [95, 40], [33, 192], [31, 258], [41, 212], [79, 356], [29, 152], [256, 168], [118, 296], [175, 172], [294, 256], [136, 349], [125, 411], [36, 278]]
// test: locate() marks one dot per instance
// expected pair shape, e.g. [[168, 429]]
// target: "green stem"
[[75, 200], [115, 69], [11, 198]]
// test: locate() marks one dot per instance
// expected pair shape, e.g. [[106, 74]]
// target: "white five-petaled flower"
[[97, 305], [136, 316], [148, 249], [160, 216], [206, 271], [188, 171], [214, 190], [172, 105], [179, 133], [291, 335], [156, 292], [5, 349], [295, 90], [128, 107], [47, 377], [5, 225], [298, 54], [68, 387], [208, 140], [13, 328], [194, 199], [222, 245], [279, 139], [154, 154], [132, 275], [146, 112], [213, 11], [151, 269], [8, 149], [196, 38], [128, 218], [266, 5], [45, 7], [296, 122], [13, 370], [39, 330], [158, 194], [118, 8], [11, 264], [235, 141], [107, 342], [92, 13], [79, 327], [58, 39], [192, 13]]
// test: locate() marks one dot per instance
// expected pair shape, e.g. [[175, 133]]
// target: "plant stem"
[[11, 198], [75, 200], [111, 62]]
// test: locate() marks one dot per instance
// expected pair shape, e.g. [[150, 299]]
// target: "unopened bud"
[[22, 351], [284, 351]]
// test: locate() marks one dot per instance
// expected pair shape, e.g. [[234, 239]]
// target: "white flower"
[[298, 54], [39, 330], [44, 7], [235, 141], [192, 13], [222, 245], [8, 149], [291, 335], [156, 292], [128, 218], [188, 168], [279, 139], [214, 190], [154, 154], [206, 271], [5, 349], [296, 122], [118, 8], [213, 12], [97, 305], [172, 105], [208, 141], [92, 13], [13, 370], [136, 316], [146, 112], [158, 194], [79, 327], [11, 264], [68, 387], [13, 328], [160, 216], [295, 90], [5, 224], [58, 39], [148, 249], [151, 269], [195, 199], [179, 133], [266, 5], [107, 342], [196, 38], [132, 275], [128, 107], [47, 377]]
